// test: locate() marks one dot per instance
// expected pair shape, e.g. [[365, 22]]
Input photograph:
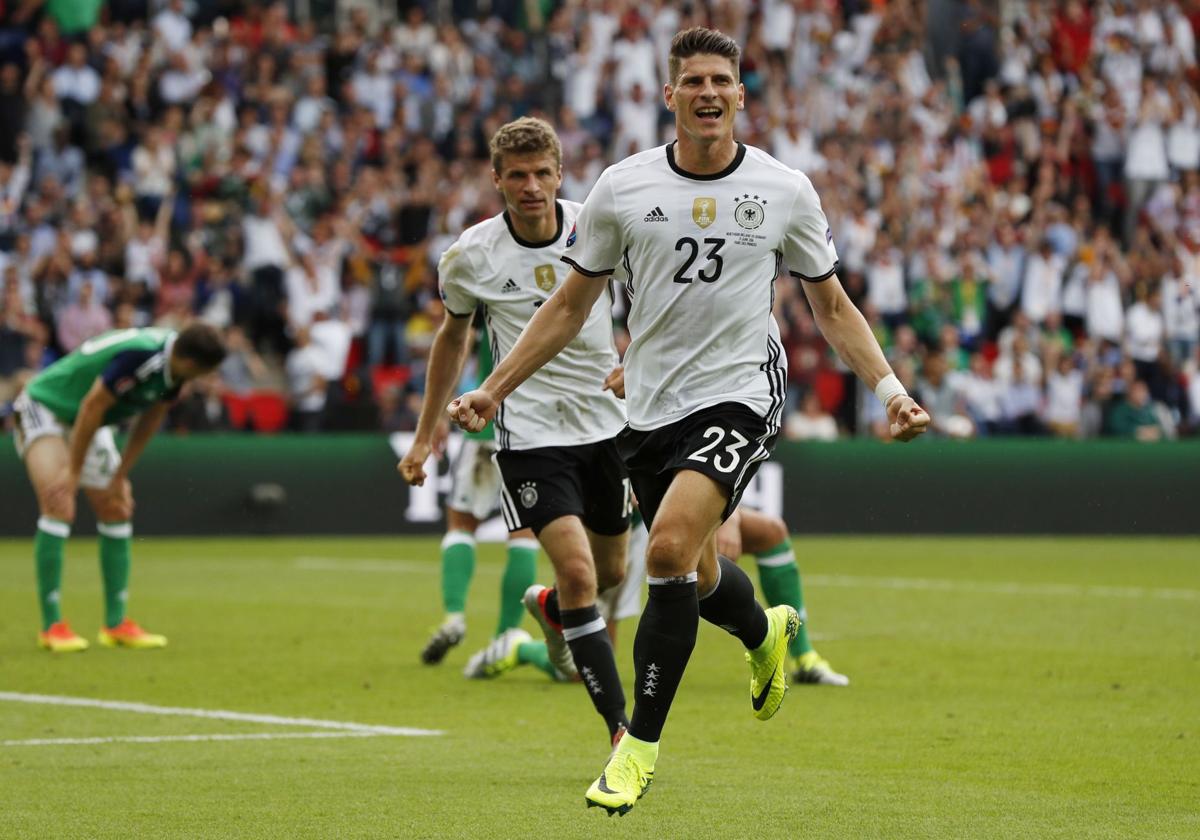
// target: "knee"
[[610, 575], [61, 509], [667, 553], [777, 531], [112, 507], [576, 580]]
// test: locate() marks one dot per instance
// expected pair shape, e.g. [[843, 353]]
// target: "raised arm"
[[845, 328], [551, 328], [446, 357]]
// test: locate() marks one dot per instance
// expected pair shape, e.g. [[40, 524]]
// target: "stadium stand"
[[1014, 188]]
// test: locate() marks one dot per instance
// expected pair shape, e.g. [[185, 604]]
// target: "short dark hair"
[[702, 41], [525, 136], [202, 344]]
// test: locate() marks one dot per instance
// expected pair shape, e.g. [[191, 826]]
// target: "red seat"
[[268, 411], [238, 407], [389, 376], [831, 389], [355, 357]]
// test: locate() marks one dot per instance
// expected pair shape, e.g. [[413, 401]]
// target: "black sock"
[[551, 605], [587, 636], [665, 637], [731, 605]]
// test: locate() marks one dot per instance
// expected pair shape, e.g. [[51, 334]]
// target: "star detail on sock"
[[651, 683], [589, 678]]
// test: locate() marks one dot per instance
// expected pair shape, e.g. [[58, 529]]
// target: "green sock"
[[48, 546], [519, 573], [116, 539], [458, 564], [779, 577], [534, 653]]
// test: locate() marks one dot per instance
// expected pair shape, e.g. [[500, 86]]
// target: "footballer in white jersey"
[[702, 227], [562, 404], [562, 474], [708, 246]]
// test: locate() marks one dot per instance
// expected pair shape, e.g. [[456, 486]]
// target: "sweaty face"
[[705, 96], [529, 184]]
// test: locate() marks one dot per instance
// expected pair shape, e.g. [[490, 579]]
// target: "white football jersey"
[[563, 403], [701, 253]]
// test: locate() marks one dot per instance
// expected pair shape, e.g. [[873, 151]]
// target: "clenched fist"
[[906, 419], [473, 410]]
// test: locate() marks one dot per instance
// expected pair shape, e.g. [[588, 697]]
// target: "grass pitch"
[[1000, 688]]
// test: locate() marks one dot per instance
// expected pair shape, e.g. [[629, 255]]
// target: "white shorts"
[[625, 601], [475, 485], [35, 421]]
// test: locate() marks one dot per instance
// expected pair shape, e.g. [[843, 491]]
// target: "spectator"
[[1144, 336], [1063, 410], [81, 319], [1134, 417], [811, 422], [306, 386], [1042, 290]]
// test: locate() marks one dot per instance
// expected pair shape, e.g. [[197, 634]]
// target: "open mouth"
[[709, 114]]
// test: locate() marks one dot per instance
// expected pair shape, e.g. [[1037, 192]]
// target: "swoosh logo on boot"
[[761, 699], [602, 785]]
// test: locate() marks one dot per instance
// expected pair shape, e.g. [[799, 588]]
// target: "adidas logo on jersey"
[[656, 215], [509, 287]]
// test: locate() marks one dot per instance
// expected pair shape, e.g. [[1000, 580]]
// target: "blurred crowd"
[[1013, 189]]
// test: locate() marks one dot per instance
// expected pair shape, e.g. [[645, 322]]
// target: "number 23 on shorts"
[[728, 458]]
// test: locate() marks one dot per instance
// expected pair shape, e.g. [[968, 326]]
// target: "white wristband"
[[889, 387]]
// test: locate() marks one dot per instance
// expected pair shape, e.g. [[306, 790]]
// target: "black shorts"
[[588, 481], [725, 442]]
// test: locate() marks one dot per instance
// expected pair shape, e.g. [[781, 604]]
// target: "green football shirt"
[[133, 365]]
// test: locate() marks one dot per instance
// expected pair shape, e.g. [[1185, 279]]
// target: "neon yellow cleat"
[[768, 674], [129, 634], [813, 669], [497, 658], [60, 638], [628, 774]]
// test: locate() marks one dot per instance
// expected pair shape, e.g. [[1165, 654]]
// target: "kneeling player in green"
[[64, 434]]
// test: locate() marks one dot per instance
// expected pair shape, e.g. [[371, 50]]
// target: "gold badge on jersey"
[[704, 211], [545, 277]]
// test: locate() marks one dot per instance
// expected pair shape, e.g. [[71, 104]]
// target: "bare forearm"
[[89, 419], [143, 430], [550, 330], [446, 358], [847, 331]]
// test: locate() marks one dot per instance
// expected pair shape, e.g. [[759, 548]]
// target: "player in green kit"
[[474, 496], [64, 434]]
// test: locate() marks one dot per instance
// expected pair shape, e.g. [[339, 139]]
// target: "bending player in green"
[[64, 434]]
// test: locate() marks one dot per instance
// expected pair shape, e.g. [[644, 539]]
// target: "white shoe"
[[556, 645], [498, 657]]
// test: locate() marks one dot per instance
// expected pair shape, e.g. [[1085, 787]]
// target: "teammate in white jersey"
[[701, 227], [561, 472]]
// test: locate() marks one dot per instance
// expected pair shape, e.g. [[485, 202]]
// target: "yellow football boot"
[[768, 674]]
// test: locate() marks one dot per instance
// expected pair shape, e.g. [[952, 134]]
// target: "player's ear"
[[495, 179], [668, 96], [741, 106]]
